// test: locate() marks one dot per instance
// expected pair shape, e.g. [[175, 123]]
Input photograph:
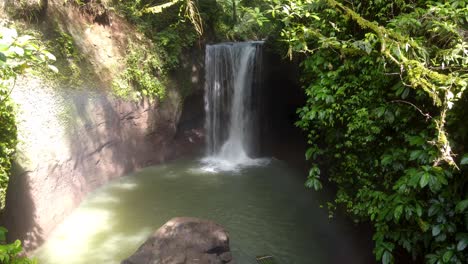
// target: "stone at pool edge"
[[185, 240]]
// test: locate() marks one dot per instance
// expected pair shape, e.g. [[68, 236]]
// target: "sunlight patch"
[[67, 240], [126, 186]]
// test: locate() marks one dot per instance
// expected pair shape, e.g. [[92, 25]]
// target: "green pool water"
[[265, 208]]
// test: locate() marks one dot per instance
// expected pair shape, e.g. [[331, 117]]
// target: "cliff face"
[[75, 140]]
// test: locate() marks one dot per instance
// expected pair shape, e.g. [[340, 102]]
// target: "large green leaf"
[[462, 244], [424, 179], [447, 256], [464, 160], [386, 257], [461, 206], [398, 211], [436, 230]]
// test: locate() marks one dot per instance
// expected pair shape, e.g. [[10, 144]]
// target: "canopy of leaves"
[[385, 82]]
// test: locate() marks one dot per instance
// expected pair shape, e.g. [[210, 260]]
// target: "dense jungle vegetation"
[[386, 104]]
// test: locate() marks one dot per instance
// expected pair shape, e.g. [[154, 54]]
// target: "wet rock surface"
[[185, 240], [73, 142]]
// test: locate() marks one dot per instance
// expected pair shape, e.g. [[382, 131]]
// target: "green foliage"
[[191, 12], [385, 115], [10, 253], [147, 70], [66, 46], [17, 53], [242, 20], [167, 26], [8, 139], [67, 49], [170, 44], [69, 59], [251, 24], [140, 76]]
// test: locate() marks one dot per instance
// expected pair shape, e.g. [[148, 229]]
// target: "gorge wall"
[[75, 139]]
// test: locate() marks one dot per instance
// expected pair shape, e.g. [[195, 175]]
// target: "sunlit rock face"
[[185, 240], [73, 141]]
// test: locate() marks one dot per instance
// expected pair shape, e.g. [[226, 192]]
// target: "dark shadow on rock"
[[20, 212], [282, 95]]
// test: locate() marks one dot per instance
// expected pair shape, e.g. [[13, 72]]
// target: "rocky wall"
[[75, 139]]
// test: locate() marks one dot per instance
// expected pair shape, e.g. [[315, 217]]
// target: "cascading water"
[[232, 74]]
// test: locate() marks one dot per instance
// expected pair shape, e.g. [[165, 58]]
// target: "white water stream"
[[230, 105]]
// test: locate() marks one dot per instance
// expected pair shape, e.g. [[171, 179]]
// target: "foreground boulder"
[[185, 240]]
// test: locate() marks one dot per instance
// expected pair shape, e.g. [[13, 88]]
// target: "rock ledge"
[[185, 240]]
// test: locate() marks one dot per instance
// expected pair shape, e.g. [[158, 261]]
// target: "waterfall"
[[232, 75]]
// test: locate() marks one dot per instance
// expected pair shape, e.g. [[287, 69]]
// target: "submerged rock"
[[185, 240]]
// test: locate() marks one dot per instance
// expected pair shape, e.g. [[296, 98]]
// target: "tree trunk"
[[234, 13]]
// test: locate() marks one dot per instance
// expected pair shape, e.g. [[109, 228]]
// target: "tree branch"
[[426, 115]]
